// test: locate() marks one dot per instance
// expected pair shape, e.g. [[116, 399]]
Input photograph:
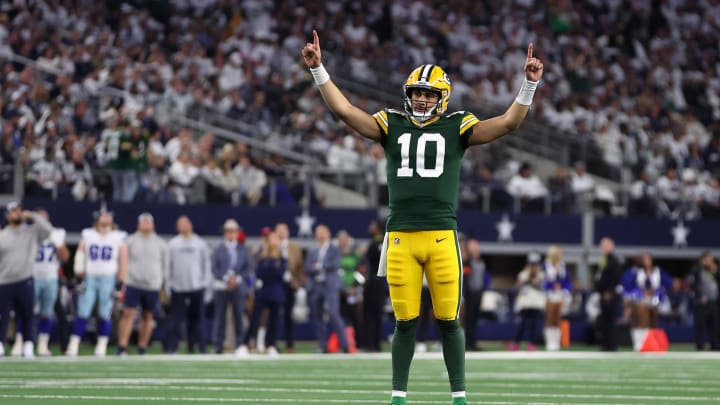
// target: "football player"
[[101, 259], [51, 253], [424, 145]]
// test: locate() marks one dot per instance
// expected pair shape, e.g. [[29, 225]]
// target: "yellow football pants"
[[437, 254]]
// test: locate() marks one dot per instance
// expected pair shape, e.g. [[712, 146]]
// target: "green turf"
[[493, 378]]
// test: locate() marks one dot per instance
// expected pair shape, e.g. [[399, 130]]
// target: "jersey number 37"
[[406, 171]]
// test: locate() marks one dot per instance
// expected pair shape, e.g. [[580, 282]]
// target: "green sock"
[[453, 343], [403, 348]]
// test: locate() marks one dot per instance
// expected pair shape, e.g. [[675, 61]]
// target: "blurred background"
[[204, 108]]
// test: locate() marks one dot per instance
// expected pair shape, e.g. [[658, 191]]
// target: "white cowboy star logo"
[[305, 223], [680, 234], [505, 229]]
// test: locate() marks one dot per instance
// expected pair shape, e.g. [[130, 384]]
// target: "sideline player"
[[101, 259], [424, 146]]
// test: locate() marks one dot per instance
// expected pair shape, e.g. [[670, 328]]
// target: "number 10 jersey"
[[423, 168]]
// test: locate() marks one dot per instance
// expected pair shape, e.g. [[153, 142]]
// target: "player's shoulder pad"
[[120, 235], [88, 232], [59, 233], [467, 121]]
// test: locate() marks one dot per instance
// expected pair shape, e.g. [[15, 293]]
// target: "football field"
[[493, 378]]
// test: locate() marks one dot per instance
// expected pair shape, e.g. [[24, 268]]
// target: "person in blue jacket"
[[270, 268]]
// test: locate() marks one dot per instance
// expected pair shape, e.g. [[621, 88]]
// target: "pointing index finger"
[[316, 39], [530, 51]]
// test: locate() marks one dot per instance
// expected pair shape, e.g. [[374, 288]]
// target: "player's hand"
[[533, 66], [311, 52], [26, 215]]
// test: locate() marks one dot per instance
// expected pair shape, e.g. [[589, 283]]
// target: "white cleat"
[[17, 349], [101, 346], [2, 349], [272, 352], [420, 348], [29, 350], [73, 346], [242, 351], [43, 345]]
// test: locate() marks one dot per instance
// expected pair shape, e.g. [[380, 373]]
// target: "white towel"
[[382, 266]]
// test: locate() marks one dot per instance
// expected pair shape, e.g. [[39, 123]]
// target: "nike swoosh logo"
[[440, 240]]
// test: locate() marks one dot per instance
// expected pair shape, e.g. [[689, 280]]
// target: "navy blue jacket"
[[271, 270]]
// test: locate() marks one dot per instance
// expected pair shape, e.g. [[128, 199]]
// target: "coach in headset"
[[19, 242]]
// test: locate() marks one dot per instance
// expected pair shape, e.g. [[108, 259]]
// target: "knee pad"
[[448, 326], [406, 327]]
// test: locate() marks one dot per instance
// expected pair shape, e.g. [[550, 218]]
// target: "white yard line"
[[386, 356], [197, 399]]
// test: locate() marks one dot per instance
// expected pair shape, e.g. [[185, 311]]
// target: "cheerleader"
[[558, 289], [646, 286]]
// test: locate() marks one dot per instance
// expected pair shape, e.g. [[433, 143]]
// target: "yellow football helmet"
[[429, 77]]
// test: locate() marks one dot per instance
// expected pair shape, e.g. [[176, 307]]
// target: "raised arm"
[[336, 101], [493, 128]]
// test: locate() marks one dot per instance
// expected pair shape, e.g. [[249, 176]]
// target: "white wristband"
[[320, 75], [527, 91]]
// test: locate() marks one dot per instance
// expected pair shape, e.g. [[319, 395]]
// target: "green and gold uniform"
[[423, 176]]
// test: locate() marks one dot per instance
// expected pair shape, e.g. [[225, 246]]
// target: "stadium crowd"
[[639, 90]]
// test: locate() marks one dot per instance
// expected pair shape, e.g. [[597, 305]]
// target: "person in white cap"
[[19, 242], [147, 269], [51, 253], [232, 269]]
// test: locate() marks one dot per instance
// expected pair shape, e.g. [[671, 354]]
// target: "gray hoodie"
[[18, 247], [189, 264]]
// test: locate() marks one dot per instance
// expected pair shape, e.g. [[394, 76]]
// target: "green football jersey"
[[423, 168]]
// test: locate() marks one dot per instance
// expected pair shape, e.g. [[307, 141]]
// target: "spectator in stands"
[[530, 302], [252, 180], [375, 292], [189, 276], [352, 280], [77, 176], [609, 287], [476, 280], [643, 196], [560, 191], [669, 189], [147, 269], [44, 176], [527, 188], [182, 175], [558, 287], [705, 280], [271, 268], [154, 182], [324, 285], [582, 185], [710, 199], [485, 185], [232, 271]]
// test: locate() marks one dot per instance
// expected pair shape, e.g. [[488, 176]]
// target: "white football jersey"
[[46, 261], [102, 251]]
